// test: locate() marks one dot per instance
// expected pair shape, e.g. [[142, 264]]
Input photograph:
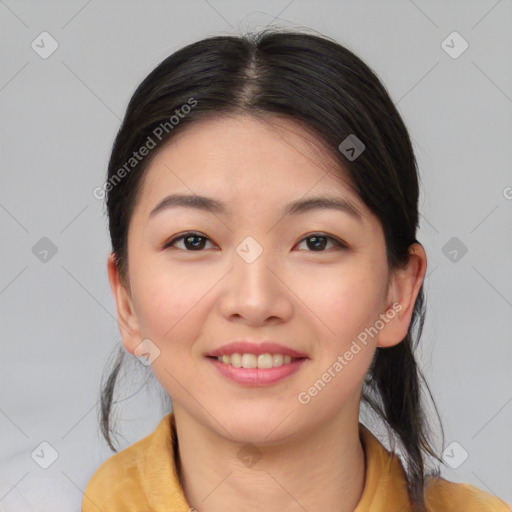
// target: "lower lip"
[[257, 376]]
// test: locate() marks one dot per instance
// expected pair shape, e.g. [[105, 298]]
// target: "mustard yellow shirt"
[[143, 478]]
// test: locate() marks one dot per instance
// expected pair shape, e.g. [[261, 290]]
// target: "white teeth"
[[277, 360], [265, 361], [255, 361], [235, 360], [249, 361]]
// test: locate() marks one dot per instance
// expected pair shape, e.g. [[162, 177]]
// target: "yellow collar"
[[144, 477], [385, 484]]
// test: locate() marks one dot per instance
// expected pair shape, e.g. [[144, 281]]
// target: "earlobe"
[[405, 285], [126, 316]]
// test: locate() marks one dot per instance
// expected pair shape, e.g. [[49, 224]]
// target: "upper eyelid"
[[179, 238]]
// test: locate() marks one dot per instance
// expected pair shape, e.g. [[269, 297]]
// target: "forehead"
[[247, 163]]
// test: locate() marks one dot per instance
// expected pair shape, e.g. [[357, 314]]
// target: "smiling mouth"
[[260, 361]]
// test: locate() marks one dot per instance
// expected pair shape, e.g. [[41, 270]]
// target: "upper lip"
[[246, 347]]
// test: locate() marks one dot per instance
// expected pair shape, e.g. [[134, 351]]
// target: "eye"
[[318, 241], [192, 241]]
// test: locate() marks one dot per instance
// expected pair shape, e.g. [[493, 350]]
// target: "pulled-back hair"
[[314, 81]]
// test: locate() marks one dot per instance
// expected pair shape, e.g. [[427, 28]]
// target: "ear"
[[404, 286], [127, 319]]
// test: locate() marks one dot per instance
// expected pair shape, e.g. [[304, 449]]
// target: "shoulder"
[[119, 482], [444, 496], [117, 478]]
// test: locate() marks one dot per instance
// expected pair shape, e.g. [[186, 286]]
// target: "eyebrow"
[[297, 207]]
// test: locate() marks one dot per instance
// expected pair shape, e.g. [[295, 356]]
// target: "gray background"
[[59, 118]]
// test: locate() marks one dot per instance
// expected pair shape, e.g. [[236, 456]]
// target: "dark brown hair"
[[322, 85]]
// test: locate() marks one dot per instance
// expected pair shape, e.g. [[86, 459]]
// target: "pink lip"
[[245, 347], [257, 376]]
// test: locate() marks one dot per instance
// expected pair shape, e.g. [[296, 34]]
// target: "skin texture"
[[317, 301]]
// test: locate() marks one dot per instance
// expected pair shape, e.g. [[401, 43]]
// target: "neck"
[[324, 469]]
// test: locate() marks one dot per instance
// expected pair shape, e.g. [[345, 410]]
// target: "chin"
[[251, 423]]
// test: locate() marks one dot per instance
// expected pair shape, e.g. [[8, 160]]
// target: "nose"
[[256, 292]]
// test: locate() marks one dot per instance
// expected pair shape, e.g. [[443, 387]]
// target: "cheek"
[[168, 300], [346, 301], [346, 305], [171, 310]]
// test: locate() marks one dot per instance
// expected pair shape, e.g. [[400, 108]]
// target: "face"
[[311, 280]]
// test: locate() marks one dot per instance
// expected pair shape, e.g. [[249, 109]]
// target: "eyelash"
[[338, 243]]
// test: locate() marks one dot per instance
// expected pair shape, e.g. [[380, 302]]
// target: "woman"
[[262, 196]]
